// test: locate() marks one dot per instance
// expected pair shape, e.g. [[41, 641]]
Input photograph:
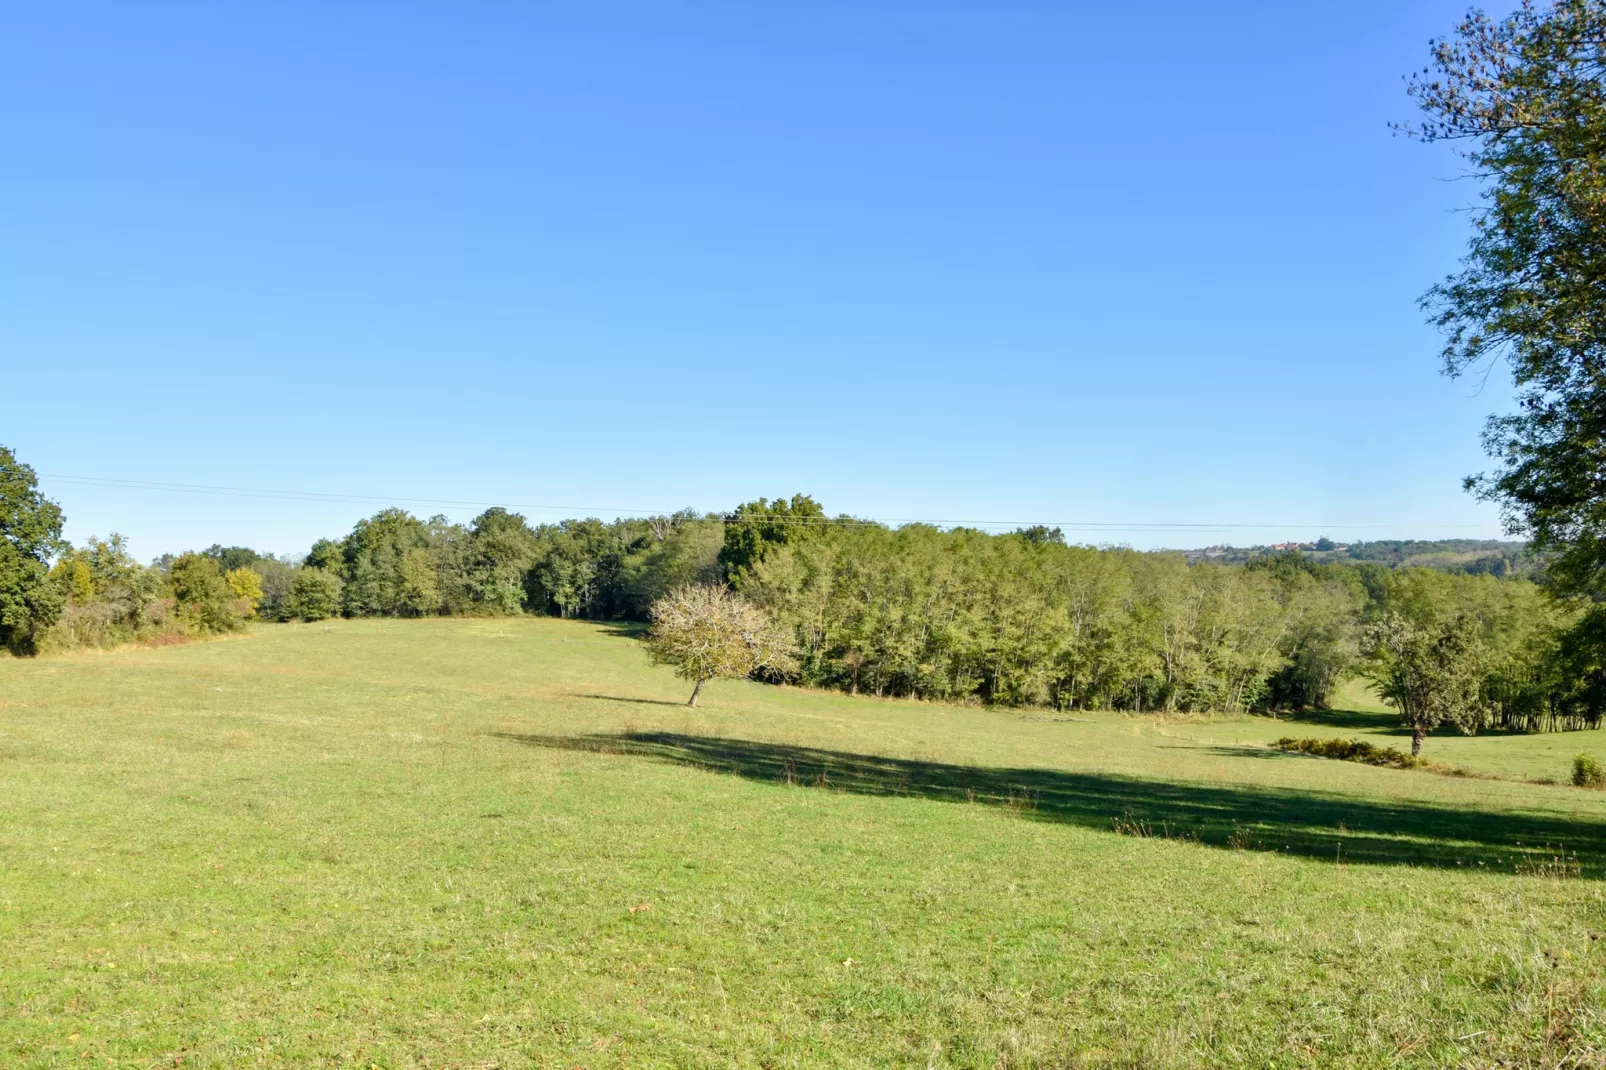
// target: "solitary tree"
[[1433, 673], [706, 632]]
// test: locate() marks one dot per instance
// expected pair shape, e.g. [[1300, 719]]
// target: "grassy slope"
[[389, 843], [1361, 715]]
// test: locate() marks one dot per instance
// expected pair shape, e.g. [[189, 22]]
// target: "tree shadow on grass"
[[637, 701], [1269, 754], [1385, 723], [1334, 828]]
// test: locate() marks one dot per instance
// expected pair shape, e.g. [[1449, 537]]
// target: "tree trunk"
[[695, 688], [1417, 735]]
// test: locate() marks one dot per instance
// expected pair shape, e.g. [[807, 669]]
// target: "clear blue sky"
[[1099, 263]]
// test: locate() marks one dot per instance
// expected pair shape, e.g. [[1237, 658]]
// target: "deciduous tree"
[[1433, 673], [30, 534], [202, 598], [706, 632], [754, 528], [314, 595], [1525, 98], [246, 584]]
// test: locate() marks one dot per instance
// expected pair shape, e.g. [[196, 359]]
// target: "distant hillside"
[[1494, 556]]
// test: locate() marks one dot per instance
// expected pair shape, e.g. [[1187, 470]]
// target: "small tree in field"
[[1433, 673], [707, 632]]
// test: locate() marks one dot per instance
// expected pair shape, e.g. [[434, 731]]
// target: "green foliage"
[[1433, 671], [121, 601], [420, 592], [326, 554], [565, 574], [229, 558], [754, 528], [371, 563], [1525, 98], [1588, 771], [276, 576], [1473, 556], [1537, 654], [1352, 750], [30, 534], [960, 614], [675, 551], [1019, 619], [314, 594], [503, 550], [202, 598], [1039, 535], [1470, 556]]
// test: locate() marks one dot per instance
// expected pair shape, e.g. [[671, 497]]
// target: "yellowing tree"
[[246, 583], [74, 579], [707, 632]]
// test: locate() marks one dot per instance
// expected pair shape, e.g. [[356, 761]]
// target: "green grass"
[[419, 844], [1359, 714]]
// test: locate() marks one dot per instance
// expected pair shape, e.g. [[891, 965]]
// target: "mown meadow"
[[459, 842]]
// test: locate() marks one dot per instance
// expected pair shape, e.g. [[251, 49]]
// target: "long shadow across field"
[[1361, 719], [1324, 826]]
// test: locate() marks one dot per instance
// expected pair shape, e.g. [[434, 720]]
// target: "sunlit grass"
[[484, 843]]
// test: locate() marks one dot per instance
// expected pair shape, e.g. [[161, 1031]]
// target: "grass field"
[[507, 844]]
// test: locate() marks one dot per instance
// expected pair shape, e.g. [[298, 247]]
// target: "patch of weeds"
[[1560, 865], [1020, 800], [1127, 825]]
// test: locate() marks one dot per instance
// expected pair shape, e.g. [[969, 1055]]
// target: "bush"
[[1588, 772], [1352, 750]]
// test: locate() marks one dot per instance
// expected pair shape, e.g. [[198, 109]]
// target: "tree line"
[[1024, 619], [961, 615]]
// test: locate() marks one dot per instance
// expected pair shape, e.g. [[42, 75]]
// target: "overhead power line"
[[1090, 526]]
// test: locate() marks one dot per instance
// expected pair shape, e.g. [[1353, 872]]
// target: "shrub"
[[1588, 772], [1352, 750]]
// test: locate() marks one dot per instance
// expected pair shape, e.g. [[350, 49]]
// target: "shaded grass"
[[1543, 757], [1319, 825], [335, 845]]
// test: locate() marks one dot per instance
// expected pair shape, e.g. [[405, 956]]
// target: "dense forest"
[[1020, 619]]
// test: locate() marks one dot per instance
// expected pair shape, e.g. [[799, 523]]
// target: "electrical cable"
[[592, 510]]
